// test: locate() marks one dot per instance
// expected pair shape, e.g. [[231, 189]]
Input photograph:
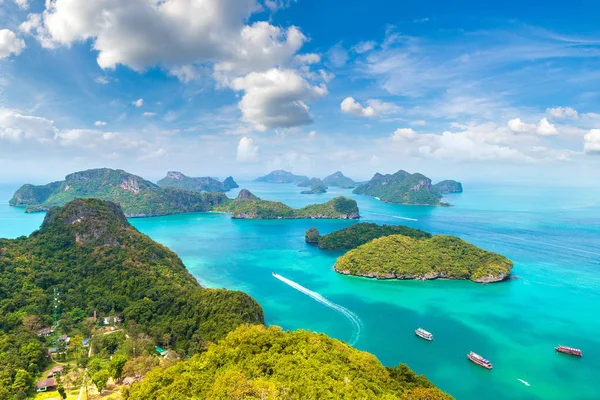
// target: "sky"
[[465, 90]]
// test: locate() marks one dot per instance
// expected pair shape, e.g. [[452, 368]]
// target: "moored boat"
[[569, 350], [477, 359], [422, 333]]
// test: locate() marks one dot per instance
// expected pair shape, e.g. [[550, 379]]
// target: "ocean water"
[[552, 235]]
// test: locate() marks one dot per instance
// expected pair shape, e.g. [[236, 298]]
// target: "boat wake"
[[523, 382], [353, 318], [406, 218]]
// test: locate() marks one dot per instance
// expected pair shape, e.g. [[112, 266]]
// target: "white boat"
[[422, 333]]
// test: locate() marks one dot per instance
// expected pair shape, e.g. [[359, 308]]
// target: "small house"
[[46, 385], [52, 350], [161, 351], [45, 332], [106, 320], [85, 342], [65, 339], [55, 371]]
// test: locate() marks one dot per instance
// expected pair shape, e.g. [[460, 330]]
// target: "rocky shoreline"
[[426, 277]]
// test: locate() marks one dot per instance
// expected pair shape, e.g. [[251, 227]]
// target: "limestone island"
[[178, 180], [281, 176], [249, 206], [316, 186], [339, 180], [406, 188], [136, 196], [441, 256]]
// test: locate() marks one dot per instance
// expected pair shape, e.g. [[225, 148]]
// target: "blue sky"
[[461, 89]]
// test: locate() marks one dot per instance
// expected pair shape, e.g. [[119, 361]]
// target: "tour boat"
[[569, 350], [477, 359], [424, 334]]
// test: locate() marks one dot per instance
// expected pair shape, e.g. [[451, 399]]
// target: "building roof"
[[45, 383], [58, 368], [85, 341]]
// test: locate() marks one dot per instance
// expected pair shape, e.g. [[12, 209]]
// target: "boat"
[[569, 350], [422, 333], [477, 359]]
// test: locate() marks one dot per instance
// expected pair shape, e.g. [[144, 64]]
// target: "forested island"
[[89, 255], [405, 188], [359, 234], [249, 206], [316, 186], [404, 257], [281, 176], [136, 196], [340, 180], [202, 184], [141, 198]]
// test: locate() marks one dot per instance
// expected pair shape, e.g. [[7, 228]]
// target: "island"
[[316, 186], [178, 180], [441, 256], [405, 188], [281, 176], [88, 273], [449, 186], [249, 206], [359, 234], [339, 180], [136, 196]]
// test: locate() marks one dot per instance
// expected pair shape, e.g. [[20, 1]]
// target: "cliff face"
[[449, 186]]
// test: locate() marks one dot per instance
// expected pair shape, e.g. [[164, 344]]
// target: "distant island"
[[141, 198], [405, 188], [339, 180], [281, 176], [404, 257], [316, 186], [203, 184], [136, 196], [249, 206], [359, 234]]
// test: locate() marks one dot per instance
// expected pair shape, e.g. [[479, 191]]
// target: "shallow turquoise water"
[[553, 235]]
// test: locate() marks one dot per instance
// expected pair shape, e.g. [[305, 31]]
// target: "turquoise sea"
[[552, 234]]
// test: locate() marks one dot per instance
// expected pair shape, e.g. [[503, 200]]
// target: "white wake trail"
[[353, 318]]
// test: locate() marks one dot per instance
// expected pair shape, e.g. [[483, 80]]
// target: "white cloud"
[[383, 108], [138, 103], [363, 47], [149, 114], [545, 128], [247, 151], [100, 123], [275, 5], [10, 43], [101, 80], [308, 58], [337, 56], [563, 112], [404, 134], [591, 142], [312, 134], [518, 126], [326, 76], [276, 98], [23, 4], [419, 122], [351, 106], [17, 127], [185, 73]]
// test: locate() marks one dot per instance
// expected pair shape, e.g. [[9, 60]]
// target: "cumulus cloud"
[[383, 108], [353, 107], [100, 123], [185, 73], [563, 112], [402, 134], [10, 43], [17, 127], [309, 58], [138, 103], [591, 142], [545, 128], [247, 151], [518, 126], [276, 98]]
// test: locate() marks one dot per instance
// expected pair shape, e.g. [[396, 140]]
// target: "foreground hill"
[[248, 206], [359, 234], [405, 188], [281, 176], [136, 196], [255, 362], [402, 257], [203, 184], [97, 261], [340, 180]]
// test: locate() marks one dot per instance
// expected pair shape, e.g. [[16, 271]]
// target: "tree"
[[22, 382], [100, 378], [32, 323], [76, 342], [61, 392], [116, 366]]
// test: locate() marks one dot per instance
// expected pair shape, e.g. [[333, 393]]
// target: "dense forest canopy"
[[440, 256], [255, 362]]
